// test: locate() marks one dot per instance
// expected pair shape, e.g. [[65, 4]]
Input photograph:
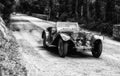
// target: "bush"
[[104, 28], [6, 8]]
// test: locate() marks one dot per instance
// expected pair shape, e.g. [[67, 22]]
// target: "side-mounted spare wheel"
[[97, 48], [62, 48]]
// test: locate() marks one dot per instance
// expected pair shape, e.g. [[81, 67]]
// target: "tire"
[[44, 41], [97, 49], [62, 48], [71, 50]]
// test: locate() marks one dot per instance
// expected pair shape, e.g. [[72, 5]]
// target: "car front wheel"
[[62, 48], [97, 49]]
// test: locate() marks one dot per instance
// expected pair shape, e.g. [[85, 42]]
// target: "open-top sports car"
[[68, 37]]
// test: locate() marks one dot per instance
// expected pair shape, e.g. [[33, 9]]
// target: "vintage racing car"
[[68, 36]]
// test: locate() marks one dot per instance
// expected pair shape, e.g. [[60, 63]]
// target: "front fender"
[[96, 37], [45, 33], [65, 37]]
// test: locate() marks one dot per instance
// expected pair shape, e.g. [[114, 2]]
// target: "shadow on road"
[[13, 20], [53, 51], [80, 55]]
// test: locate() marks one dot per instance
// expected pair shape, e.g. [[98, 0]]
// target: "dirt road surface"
[[44, 62]]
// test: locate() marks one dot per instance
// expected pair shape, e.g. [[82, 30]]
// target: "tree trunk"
[[76, 12]]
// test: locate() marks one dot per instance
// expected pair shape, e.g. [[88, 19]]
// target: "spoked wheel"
[[97, 49], [44, 41], [62, 48]]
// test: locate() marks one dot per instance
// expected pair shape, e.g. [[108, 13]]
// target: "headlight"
[[88, 36], [53, 30], [88, 43], [75, 36]]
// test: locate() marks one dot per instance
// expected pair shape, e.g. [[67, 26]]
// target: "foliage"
[[31, 6], [82, 11], [104, 28], [6, 9]]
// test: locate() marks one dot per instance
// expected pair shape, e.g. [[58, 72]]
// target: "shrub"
[[104, 28], [6, 8]]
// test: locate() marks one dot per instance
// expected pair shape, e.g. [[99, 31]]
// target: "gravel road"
[[46, 62]]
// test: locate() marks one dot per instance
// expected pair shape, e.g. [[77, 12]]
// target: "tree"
[[6, 9]]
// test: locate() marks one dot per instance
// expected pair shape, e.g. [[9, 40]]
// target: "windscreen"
[[67, 26]]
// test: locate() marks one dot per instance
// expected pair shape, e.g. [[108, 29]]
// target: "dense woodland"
[[94, 14], [90, 10], [6, 8]]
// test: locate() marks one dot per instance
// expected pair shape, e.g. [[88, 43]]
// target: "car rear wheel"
[[62, 48], [97, 49], [44, 41]]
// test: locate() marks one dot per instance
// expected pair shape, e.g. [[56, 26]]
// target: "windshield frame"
[[67, 26]]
